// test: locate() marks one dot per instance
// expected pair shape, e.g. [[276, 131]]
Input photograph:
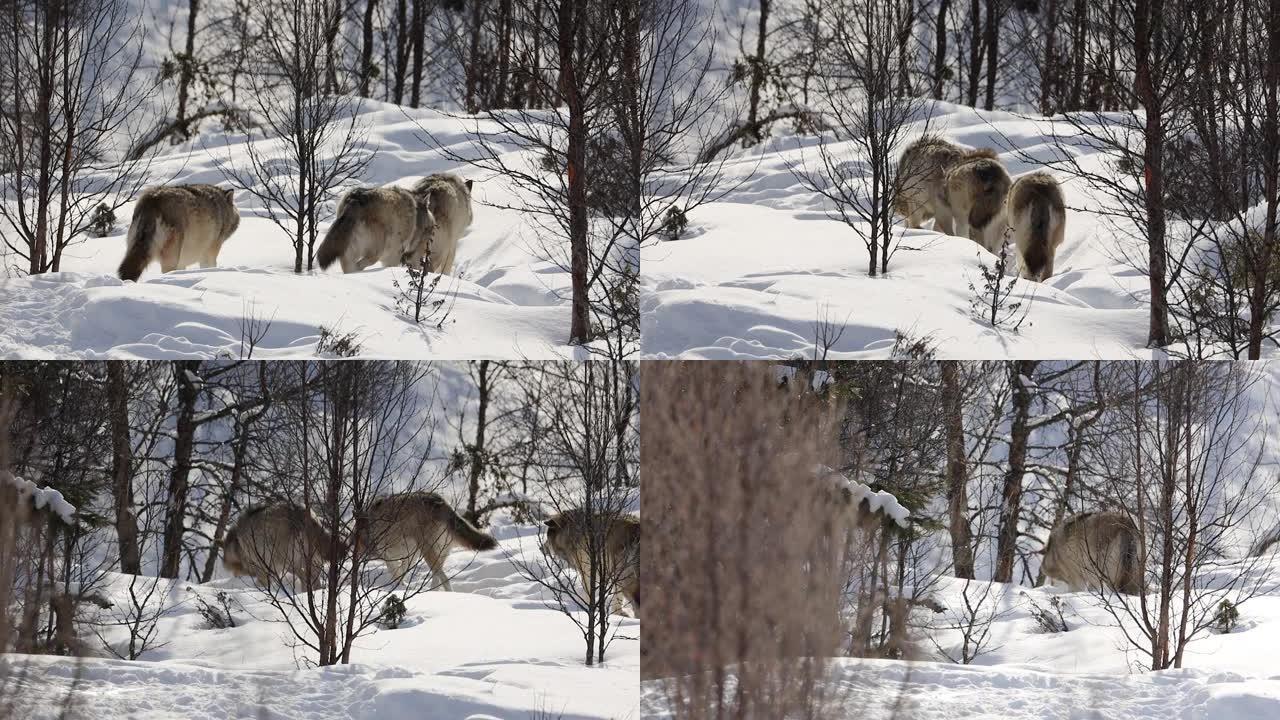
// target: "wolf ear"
[[552, 523], [468, 184], [230, 193]]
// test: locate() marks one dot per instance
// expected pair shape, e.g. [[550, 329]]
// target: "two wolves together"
[[969, 193], [270, 541], [183, 224]]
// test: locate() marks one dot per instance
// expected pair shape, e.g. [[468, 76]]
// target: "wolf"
[[179, 225], [1096, 549], [401, 529], [567, 540], [1038, 217], [449, 199], [375, 224], [270, 540], [922, 178], [976, 190]]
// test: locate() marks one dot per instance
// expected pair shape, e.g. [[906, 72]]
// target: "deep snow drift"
[[759, 268], [505, 299], [492, 648]]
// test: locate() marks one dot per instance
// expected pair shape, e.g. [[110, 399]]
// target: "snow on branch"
[[41, 498], [881, 501]]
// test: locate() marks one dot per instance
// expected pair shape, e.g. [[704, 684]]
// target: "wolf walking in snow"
[[374, 224], [1038, 217], [1092, 550], [922, 180], [401, 529], [179, 225], [449, 198], [976, 189], [568, 540], [268, 541]]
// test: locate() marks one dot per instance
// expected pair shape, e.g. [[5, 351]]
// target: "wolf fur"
[[922, 172], [1038, 217], [372, 225], [401, 529], [179, 225], [567, 540], [976, 190], [1090, 551], [268, 541], [449, 199]]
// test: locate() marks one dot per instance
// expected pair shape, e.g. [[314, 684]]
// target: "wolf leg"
[[170, 252], [436, 561]]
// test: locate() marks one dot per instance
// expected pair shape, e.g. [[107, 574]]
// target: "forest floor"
[[495, 647]]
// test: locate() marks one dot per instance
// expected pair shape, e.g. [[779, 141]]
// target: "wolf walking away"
[[567, 539], [268, 541], [976, 190], [922, 179], [449, 198], [1091, 551], [1038, 217], [401, 529], [374, 224], [179, 225]]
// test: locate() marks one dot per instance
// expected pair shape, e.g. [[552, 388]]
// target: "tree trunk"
[[473, 55], [993, 50], [419, 40], [940, 64], [975, 51], [122, 469], [1153, 170], [1011, 496], [188, 63], [179, 474], [957, 470], [477, 448], [758, 69], [366, 47], [1048, 65], [570, 16]]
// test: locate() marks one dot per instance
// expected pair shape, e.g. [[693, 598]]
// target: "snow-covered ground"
[[492, 648], [1088, 672], [760, 267], [505, 299]]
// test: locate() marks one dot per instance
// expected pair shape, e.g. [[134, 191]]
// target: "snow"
[[41, 498], [505, 300], [759, 266], [493, 648]]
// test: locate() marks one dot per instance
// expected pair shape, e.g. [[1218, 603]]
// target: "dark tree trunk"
[[570, 16], [188, 63], [366, 47], [1011, 495], [122, 468], [1153, 169], [992, 41], [957, 470], [179, 475], [419, 40], [477, 449], [940, 64], [758, 69]]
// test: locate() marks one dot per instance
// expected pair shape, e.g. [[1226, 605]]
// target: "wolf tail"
[[467, 534], [142, 232], [339, 235]]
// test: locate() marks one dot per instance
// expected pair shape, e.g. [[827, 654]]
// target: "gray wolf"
[[1038, 217], [568, 540], [401, 529], [976, 189], [372, 225], [922, 180], [179, 225], [449, 199], [268, 541], [1096, 550]]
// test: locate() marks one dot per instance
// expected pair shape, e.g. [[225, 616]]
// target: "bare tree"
[[312, 140], [71, 89], [869, 110]]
